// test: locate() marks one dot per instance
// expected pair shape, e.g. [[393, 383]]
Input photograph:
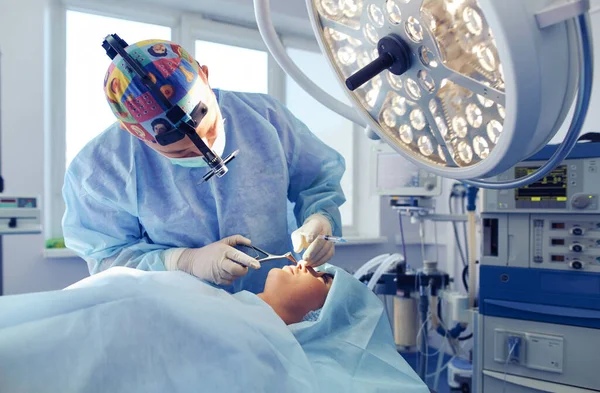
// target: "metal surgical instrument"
[[271, 257]]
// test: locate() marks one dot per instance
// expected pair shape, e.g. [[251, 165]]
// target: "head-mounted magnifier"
[[182, 124]]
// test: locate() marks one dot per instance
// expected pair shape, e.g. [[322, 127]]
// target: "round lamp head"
[[485, 86]]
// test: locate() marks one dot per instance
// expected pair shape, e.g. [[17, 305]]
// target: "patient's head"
[[295, 290]]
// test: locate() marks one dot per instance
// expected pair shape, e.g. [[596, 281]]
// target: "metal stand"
[[429, 281], [405, 283]]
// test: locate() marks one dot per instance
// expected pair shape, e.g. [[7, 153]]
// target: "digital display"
[[553, 187], [558, 225], [557, 258], [558, 242]]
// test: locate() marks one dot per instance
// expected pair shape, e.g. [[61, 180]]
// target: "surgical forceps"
[[271, 257]]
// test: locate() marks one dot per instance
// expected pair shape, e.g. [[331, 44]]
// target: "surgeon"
[[131, 201]]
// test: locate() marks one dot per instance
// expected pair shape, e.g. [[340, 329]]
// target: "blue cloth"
[[312, 316], [126, 204], [126, 330], [351, 344]]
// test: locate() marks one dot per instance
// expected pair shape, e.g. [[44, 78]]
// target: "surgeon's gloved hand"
[[218, 262], [318, 251]]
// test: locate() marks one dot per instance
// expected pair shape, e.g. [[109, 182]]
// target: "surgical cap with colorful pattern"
[[170, 67]]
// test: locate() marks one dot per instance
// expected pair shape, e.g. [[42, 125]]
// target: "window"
[[233, 67], [87, 113], [237, 60], [331, 128]]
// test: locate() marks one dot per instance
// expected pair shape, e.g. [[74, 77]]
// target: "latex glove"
[[318, 251], [215, 263]]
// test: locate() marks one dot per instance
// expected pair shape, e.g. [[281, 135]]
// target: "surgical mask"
[[189, 162], [198, 162]]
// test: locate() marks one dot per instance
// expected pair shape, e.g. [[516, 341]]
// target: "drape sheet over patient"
[[127, 330]]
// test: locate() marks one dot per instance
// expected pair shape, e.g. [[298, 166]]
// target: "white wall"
[[290, 16], [591, 123], [22, 97]]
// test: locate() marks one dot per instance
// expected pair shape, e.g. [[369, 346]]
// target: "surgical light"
[[502, 76]]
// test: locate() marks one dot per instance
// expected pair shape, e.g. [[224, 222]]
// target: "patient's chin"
[[276, 278], [274, 273]]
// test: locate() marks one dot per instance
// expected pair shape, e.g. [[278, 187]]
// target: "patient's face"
[[299, 287]]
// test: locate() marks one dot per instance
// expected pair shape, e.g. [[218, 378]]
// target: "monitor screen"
[[553, 187]]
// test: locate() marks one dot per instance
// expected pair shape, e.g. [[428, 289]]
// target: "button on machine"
[[577, 231], [583, 201], [577, 265], [576, 247]]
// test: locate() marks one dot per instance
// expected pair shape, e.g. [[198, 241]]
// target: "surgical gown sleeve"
[[105, 233], [315, 170]]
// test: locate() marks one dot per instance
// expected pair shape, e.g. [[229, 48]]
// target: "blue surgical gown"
[[126, 204]]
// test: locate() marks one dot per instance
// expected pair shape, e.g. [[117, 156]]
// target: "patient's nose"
[[310, 270]]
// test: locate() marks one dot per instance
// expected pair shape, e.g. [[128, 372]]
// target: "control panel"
[[19, 215], [545, 241], [573, 186], [566, 242]]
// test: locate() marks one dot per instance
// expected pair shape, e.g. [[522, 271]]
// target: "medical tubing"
[[435, 318], [465, 273], [440, 352], [439, 369], [383, 267], [419, 333], [584, 92], [364, 269], [472, 258], [453, 333], [262, 12], [458, 241], [465, 338], [439, 312], [437, 372], [402, 237], [419, 348], [423, 306], [422, 236], [510, 352], [439, 349], [464, 226], [421, 353], [445, 366]]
